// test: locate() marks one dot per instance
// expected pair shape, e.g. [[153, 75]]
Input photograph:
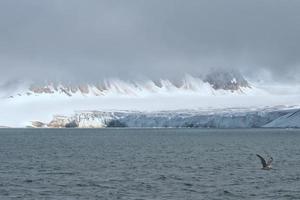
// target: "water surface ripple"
[[148, 164]]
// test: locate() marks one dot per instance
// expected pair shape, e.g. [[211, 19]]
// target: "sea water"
[[148, 164]]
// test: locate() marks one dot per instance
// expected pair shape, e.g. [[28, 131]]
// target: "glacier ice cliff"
[[289, 120], [184, 119]]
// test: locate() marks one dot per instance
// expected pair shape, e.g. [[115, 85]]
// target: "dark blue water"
[[148, 164]]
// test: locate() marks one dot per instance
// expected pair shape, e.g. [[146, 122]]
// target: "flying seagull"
[[266, 165]]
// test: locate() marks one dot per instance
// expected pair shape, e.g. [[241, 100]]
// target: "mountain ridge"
[[213, 82]]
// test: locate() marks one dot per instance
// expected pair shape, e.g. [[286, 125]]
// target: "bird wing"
[[270, 161], [263, 161]]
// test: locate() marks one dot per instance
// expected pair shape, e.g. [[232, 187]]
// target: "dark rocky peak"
[[226, 80]]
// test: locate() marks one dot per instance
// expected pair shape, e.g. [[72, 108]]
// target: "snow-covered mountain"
[[226, 80], [215, 83], [24, 102]]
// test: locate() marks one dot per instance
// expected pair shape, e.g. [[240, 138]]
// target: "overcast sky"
[[89, 40]]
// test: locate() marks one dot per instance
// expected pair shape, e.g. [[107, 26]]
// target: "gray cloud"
[[89, 40]]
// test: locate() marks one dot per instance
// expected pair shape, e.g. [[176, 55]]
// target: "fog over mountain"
[[91, 40]]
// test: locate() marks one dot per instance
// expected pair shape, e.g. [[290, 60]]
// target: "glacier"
[[289, 120], [217, 118], [219, 100]]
